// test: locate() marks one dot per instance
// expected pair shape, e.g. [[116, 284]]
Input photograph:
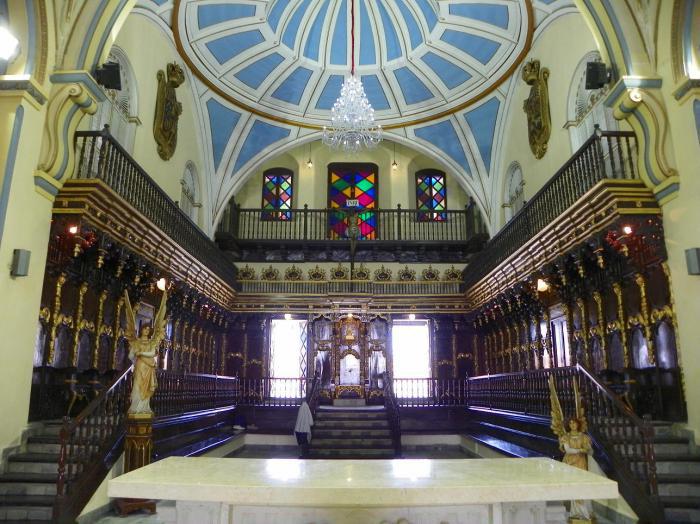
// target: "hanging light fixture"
[[309, 163], [352, 117], [394, 165]]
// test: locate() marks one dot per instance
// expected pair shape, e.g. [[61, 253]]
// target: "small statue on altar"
[[575, 444], [142, 352]]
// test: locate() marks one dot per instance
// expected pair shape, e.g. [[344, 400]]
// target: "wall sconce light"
[[73, 230], [627, 230], [412, 315], [692, 260], [162, 284], [542, 285], [20, 263], [394, 165], [9, 45], [309, 163]]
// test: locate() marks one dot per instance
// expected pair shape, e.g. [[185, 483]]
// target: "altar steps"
[[351, 433]]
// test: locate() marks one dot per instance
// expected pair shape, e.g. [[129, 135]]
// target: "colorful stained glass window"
[[277, 195], [431, 195], [352, 190]]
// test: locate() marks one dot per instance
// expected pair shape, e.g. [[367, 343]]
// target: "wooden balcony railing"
[[100, 156], [323, 225], [605, 155], [374, 288]]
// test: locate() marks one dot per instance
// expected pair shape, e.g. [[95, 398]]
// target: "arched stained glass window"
[[431, 195], [277, 192]]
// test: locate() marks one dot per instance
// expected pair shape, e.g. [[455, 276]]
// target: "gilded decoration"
[[270, 273], [452, 274], [382, 274], [430, 274], [168, 110], [339, 272], [539, 121], [293, 274], [361, 273], [407, 275], [246, 273], [317, 274]]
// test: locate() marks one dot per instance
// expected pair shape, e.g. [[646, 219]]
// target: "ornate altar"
[[350, 353]]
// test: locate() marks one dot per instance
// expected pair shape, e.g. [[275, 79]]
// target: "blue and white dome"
[[418, 59]]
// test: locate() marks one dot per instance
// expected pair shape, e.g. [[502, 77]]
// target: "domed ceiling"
[[439, 74], [418, 59]]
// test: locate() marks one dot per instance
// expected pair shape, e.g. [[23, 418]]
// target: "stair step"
[[678, 478], [351, 424], [25, 514], [28, 488], [350, 442], [673, 501], [34, 457], [678, 515], [678, 463], [351, 433], [46, 448], [26, 500], [351, 453]]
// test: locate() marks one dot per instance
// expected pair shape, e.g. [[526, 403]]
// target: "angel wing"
[[580, 413], [557, 413], [130, 332], [159, 323]]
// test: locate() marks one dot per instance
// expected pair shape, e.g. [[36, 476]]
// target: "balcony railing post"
[[306, 221], [398, 221], [469, 219]]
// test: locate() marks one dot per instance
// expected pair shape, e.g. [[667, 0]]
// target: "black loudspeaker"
[[596, 75], [109, 76]]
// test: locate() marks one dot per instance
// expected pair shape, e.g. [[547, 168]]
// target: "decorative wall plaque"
[[539, 121], [168, 110]]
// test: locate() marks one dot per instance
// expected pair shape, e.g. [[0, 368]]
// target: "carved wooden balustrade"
[[178, 393], [91, 442], [623, 441], [430, 392], [313, 225], [393, 412], [273, 391], [605, 155]]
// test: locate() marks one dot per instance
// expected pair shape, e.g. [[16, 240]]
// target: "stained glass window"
[[431, 195], [352, 190], [277, 195]]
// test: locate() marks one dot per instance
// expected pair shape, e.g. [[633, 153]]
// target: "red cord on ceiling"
[[352, 35]]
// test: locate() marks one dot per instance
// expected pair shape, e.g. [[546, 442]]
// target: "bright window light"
[[8, 44], [287, 356], [411, 347]]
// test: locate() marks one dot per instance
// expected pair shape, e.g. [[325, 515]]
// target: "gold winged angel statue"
[[575, 444], [142, 352]]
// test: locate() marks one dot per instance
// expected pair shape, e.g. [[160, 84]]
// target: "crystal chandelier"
[[352, 117]]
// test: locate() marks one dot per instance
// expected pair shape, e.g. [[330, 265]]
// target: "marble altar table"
[[289, 491]]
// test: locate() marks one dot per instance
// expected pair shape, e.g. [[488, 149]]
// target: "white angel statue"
[[575, 443], [142, 352]]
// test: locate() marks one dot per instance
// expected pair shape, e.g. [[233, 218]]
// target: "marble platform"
[[262, 491]]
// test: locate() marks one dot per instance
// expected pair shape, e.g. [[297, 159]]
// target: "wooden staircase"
[[351, 433]]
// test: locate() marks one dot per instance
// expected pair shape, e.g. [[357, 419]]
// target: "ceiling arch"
[[419, 60]]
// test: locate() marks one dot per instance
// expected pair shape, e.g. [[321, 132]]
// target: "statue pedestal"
[[138, 450]]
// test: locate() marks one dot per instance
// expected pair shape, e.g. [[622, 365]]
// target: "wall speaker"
[[108, 76], [20, 263], [692, 260], [596, 75]]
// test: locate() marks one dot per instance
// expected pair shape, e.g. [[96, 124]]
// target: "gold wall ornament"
[[536, 106], [168, 110]]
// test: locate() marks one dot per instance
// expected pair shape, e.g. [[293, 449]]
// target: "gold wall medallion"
[[539, 121], [168, 110]]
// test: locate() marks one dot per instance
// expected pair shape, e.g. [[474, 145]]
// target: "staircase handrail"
[[313, 396], [89, 445], [623, 441], [393, 412]]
